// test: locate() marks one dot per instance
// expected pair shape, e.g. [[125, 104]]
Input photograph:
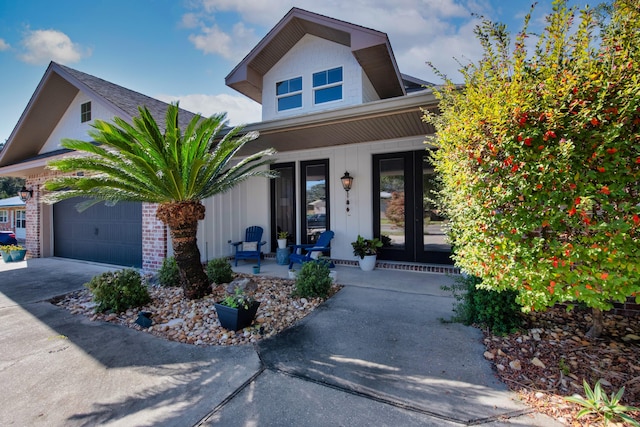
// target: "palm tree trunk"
[[182, 219]]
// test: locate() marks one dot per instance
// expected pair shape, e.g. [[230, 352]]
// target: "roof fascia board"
[[28, 108]]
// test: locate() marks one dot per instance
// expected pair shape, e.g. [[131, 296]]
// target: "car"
[[316, 221], [8, 238]]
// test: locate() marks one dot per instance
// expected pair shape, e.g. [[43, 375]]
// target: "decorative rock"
[[196, 322], [515, 365], [537, 362], [175, 322], [488, 355], [246, 284]]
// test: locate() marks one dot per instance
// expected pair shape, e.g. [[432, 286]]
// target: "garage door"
[[107, 234]]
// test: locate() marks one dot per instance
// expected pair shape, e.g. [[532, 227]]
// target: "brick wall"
[[154, 239], [34, 215], [629, 308]]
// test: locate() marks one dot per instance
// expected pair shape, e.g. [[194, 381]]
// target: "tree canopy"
[[539, 157]]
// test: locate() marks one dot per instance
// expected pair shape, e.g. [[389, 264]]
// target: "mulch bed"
[[551, 356]]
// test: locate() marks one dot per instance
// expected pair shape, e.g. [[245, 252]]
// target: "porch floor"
[[405, 277]]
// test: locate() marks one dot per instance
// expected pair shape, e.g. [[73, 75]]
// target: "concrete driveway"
[[375, 354]]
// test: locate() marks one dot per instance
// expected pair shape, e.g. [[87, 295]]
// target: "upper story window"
[[289, 94], [85, 112], [4, 216], [327, 86]]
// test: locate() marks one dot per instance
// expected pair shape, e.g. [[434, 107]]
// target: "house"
[[333, 101], [13, 216]]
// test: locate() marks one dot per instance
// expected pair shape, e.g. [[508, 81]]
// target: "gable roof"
[[371, 49], [52, 97], [414, 84]]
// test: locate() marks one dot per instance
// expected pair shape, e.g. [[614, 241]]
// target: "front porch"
[[390, 275]]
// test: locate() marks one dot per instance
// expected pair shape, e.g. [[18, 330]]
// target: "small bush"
[[313, 280], [117, 291], [169, 275], [219, 271], [495, 310]]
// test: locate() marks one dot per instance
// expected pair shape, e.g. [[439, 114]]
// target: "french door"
[[314, 199], [404, 213], [313, 208], [283, 203]]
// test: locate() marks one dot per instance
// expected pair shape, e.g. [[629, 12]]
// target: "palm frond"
[[137, 162]]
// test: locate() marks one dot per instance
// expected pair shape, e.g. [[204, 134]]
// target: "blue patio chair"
[[304, 253], [251, 246]]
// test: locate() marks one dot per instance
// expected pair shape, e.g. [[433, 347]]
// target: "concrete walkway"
[[377, 353]]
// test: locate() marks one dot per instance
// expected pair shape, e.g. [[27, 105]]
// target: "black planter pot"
[[235, 319]]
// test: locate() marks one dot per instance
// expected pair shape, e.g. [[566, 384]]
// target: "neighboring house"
[[13, 216], [333, 100], [64, 104]]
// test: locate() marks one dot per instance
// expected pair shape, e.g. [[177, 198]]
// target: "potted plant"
[[282, 239], [367, 251], [17, 252], [237, 311], [6, 253], [12, 252]]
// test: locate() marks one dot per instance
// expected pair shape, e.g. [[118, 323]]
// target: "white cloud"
[[232, 46], [42, 46], [446, 52], [190, 20], [4, 45], [239, 109], [419, 31]]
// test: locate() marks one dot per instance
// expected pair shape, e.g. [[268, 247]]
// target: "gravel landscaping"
[[196, 321]]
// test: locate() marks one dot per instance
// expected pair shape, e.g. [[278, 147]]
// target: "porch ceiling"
[[365, 123]]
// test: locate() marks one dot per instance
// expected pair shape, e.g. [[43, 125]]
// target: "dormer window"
[[85, 112], [327, 86], [289, 94]]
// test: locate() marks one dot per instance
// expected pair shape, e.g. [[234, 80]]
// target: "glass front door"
[[313, 208], [283, 203], [314, 199], [405, 216]]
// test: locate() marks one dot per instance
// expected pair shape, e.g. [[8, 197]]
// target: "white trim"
[[315, 89], [21, 216], [290, 94]]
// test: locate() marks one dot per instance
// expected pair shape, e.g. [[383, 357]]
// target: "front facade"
[[333, 101], [13, 216]]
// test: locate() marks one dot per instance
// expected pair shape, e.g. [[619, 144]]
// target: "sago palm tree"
[[176, 169]]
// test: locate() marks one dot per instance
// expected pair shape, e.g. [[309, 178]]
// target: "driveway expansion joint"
[[231, 396], [397, 404]]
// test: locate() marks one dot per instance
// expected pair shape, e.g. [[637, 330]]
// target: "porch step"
[[396, 265]]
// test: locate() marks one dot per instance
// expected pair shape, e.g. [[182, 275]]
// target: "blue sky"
[[183, 49]]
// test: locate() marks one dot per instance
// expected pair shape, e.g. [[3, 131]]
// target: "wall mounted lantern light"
[[25, 194], [347, 182]]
